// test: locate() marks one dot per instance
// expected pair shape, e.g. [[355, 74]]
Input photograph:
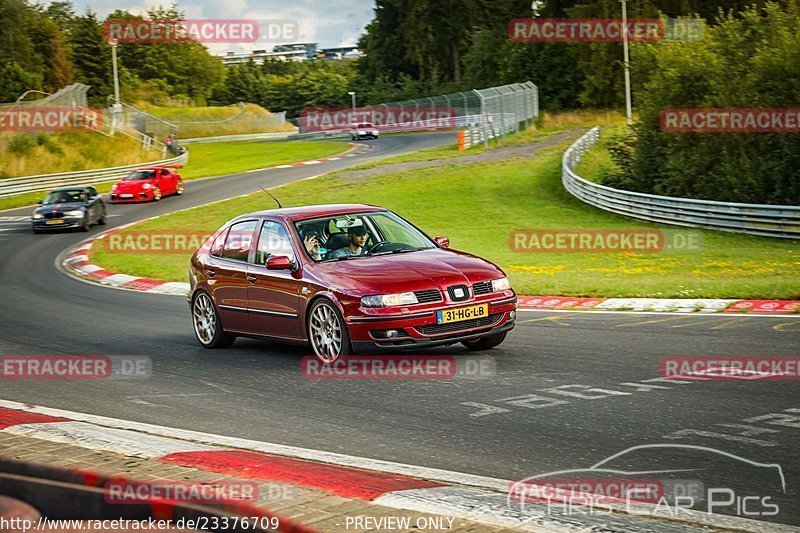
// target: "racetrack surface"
[[569, 390]]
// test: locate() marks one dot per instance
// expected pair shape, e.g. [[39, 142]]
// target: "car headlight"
[[114, 187], [37, 216], [389, 300], [76, 213], [147, 186], [362, 132], [501, 284]]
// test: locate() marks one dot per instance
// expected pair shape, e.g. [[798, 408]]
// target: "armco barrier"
[[755, 219], [13, 186]]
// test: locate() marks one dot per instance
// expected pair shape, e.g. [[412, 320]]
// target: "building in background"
[[292, 52]]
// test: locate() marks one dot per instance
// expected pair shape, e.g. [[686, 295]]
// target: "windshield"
[[364, 126], [141, 175], [352, 236], [57, 197]]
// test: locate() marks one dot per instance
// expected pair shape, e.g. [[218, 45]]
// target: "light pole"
[[353, 99], [628, 104], [117, 105]]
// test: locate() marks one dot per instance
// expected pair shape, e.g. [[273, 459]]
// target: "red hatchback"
[[146, 185], [344, 278]]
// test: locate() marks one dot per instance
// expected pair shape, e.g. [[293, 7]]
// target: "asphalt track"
[[568, 389]]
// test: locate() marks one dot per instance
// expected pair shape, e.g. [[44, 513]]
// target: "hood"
[[404, 272], [135, 185], [59, 207]]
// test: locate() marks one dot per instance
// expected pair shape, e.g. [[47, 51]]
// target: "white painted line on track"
[[95, 437]]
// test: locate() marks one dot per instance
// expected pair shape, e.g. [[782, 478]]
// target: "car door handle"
[[251, 278], [210, 272]]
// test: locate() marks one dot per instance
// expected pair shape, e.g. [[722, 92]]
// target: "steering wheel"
[[377, 246]]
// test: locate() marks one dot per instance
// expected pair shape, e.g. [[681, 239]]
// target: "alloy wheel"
[[205, 318], [326, 333]]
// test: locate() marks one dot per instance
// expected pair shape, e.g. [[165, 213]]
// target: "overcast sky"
[[337, 23]]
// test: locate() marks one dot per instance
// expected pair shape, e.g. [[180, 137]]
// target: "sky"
[[331, 24]]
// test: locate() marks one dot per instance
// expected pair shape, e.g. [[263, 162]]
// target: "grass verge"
[[480, 204], [223, 158]]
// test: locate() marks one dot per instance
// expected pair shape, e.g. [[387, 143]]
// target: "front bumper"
[[419, 329], [143, 196], [67, 223]]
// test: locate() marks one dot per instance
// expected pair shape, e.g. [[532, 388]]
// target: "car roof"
[[313, 211], [70, 188]]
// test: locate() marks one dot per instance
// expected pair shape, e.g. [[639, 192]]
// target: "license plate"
[[462, 313], [126, 196], [59, 221]]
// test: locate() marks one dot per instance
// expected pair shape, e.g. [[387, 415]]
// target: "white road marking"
[[107, 439]]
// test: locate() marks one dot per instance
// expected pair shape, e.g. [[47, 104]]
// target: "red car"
[[147, 184], [344, 278]]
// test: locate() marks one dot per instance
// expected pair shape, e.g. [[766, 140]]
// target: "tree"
[[91, 56]]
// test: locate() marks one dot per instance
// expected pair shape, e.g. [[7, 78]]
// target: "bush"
[[21, 145], [750, 61]]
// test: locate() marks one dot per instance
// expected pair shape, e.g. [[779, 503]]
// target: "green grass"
[[224, 158], [231, 157], [479, 205]]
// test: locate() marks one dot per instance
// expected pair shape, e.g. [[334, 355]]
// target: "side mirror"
[[39, 202], [443, 242], [279, 262]]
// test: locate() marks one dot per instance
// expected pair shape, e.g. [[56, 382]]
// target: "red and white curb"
[[77, 262], [388, 484]]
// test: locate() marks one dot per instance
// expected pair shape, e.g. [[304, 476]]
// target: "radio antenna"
[[270, 195]]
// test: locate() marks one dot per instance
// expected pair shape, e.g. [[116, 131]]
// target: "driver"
[[358, 238], [311, 242]]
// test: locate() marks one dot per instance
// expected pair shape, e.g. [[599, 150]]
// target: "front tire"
[[327, 332], [179, 188], [485, 343], [102, 220], [156, 194], [207, 327], [85, 224]]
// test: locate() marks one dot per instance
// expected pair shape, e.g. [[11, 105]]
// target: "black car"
[[78, 206]]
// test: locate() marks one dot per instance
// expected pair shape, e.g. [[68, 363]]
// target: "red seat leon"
[[345, 279]]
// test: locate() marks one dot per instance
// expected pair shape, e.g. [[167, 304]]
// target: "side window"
[[164, 171], [92, 192], [273, 241], [219, 243], [239, 240]]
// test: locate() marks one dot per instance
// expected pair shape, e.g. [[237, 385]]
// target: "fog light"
[[512, 315], [392, 333]]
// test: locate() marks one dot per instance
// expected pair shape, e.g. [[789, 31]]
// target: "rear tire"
[[207, 327], [485, 343]]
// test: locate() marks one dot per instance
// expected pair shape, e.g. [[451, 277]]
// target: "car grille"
[[428, 296], [57, 214], [482, 287], [451, 292], [438, 329]]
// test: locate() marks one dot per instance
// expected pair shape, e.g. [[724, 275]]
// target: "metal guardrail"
[[14, 186], [755, 219]]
